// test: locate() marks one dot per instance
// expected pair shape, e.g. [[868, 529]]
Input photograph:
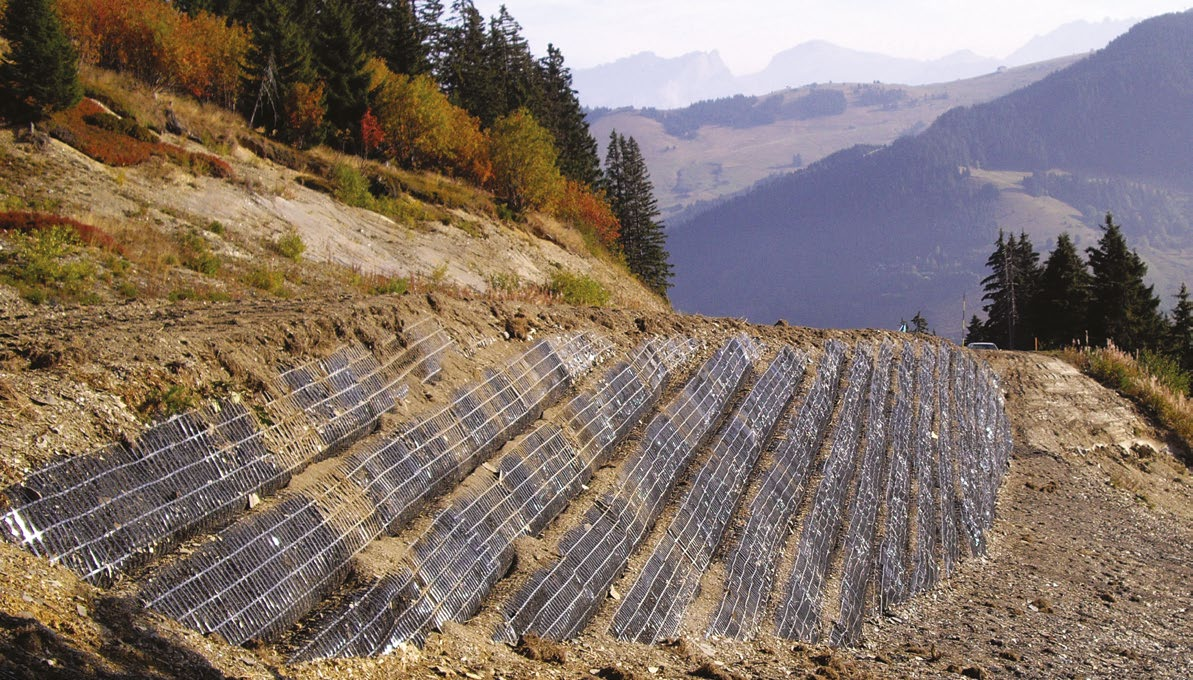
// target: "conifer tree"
[[1180, 332], [631, 196], [513, 73], [340, 60], [40, 73], [1062, 303], [1123, 308], [463, 71], [560, 112], [975, 330], [279, 60], [1009, 289]]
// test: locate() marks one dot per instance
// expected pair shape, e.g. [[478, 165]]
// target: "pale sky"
[[747, 33]]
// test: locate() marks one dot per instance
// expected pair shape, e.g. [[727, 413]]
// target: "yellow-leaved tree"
[[525, 175]]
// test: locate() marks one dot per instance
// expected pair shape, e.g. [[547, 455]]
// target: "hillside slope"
[[872, 235], [710, 157]]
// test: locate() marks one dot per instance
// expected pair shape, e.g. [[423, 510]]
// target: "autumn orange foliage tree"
[[200, 55], [422, 129], [588, 211]]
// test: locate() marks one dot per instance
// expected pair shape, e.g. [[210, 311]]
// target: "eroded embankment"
[[674, 476]]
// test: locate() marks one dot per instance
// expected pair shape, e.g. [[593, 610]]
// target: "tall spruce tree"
[[464, 73], [1123, 308], [40, 73], [340, 60], [1062, 303], [559, 111], [631, 196], [279, 59], [1014, 267], [1180, 331]]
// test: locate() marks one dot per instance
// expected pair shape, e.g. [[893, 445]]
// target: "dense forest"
[[868, 233], [411, 82]]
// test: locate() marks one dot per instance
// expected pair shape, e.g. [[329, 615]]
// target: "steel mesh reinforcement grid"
[[968, 453], [891, 568], [560, 600], [751, 566], [925, 558], [268, 570], [946, 467], [799, 614], [654, 606], [104, 512], [454, 564], [859, 546]]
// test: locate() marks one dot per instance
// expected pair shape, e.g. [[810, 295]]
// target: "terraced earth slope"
[[395, 487]]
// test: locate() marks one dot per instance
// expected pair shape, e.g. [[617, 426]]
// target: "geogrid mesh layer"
[[454, 564], [891, 568], [104, 512], [268, 570], [926, 555], [654, 606], [559, 600], [751, 565], [798, 615], [863, 520]]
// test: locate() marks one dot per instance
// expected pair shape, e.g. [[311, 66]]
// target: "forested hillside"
[[872, 235]]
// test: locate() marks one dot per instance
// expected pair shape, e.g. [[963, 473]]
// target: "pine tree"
[[1180, 331], [560, 112], [975, 330], [463, 70], [40, 73], [631, 196], [1014, 267], [1062, 303], [279, 60], [1123, 308], [340, 60], [919, 324], [513, 73]]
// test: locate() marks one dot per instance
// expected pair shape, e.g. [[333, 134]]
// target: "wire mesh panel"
[[559, 600], [968, 452], [925, 571], [751, 565], [946, 451], [891, 569], [264, 583], [859, 545], [654, 606], [104, 512], [799, 614]]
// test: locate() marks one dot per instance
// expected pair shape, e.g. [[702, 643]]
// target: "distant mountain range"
[[647, 80], [873, 234]]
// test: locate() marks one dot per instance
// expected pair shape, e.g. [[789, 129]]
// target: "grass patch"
[[1134, 379], [49, 266], [171, 401], [578, 289], [267, 279], [196, 255]]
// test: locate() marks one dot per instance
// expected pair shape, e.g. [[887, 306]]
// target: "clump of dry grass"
[[1124, 373]]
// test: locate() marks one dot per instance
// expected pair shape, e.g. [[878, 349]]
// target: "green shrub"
[[267, 279], [578, 289], [351, 187], [396, 285], [46, 265], [196, 255], [216, 227], [290, 245], [1165, 369]]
